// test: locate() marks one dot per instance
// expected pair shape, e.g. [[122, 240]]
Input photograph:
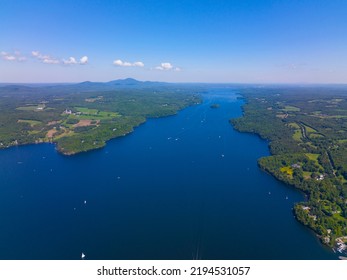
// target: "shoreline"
[[339, 243]]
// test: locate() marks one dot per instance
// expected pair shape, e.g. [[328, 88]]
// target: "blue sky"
[[268, 41]]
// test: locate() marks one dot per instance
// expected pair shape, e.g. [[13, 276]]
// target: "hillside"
[[307, 133], [81, 117]]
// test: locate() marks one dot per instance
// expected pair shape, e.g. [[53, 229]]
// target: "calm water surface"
[[181, 187]]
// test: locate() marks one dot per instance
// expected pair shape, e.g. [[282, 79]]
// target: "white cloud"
[[127, 64], [47, 59], [40, 56], [44, 58], [166, 66], [119, 62], [9, 57], [16, 56], [70, 61], [84, 60], [50, 61], [139, 64]]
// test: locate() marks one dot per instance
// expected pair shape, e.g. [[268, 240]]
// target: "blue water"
[[180, 187]]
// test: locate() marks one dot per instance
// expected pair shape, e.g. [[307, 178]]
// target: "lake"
[[181, 187]]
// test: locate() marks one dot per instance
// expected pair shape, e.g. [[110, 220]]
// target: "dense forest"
[[307, 132], [84, 116]]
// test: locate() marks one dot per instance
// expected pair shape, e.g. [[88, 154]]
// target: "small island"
[[82, 117], [214, 106]]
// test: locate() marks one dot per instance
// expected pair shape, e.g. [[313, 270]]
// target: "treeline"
[[307, 135], [90, 138], [27, 114]]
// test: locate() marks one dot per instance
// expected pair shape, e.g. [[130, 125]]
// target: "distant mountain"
[[86, 86], [126, 82], [16, 87], [120, 83]]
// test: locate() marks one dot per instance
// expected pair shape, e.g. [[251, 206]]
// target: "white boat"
[[83, 256]]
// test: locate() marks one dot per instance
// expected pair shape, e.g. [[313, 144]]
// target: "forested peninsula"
[[307, 132], [82, 117]]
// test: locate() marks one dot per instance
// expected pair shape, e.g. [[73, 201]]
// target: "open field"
[[32, 123], [78, 119], [308, 147]]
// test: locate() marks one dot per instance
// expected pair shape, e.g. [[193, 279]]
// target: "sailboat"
[[83, 256]]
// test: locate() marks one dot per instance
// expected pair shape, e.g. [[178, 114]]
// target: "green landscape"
[[307, 132], [84, 116], [305, 126]]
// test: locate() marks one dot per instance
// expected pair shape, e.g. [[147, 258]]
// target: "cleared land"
[[84, 116], [309, 149]]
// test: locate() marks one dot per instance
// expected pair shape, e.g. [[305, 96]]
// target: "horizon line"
[[202, 83]]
